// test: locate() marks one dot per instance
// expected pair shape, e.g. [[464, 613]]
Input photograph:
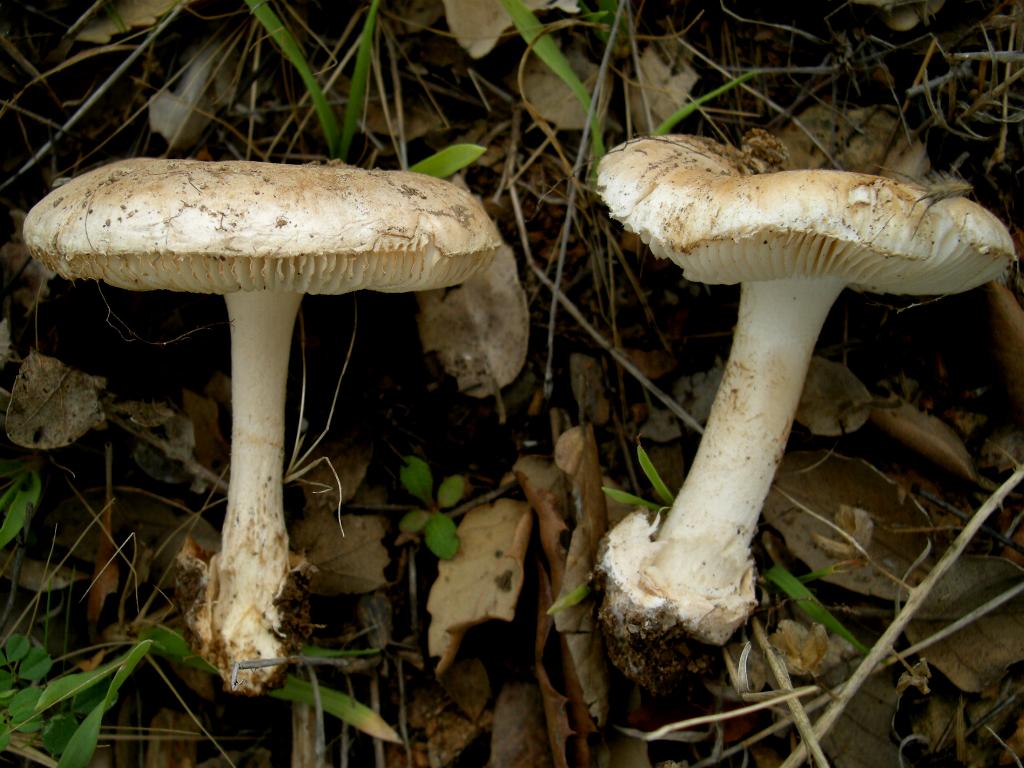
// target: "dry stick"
[[917, 597], [571, 308], [570, 205], [95, 96], [781, 675]]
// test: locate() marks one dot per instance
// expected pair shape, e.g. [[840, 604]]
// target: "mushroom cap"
[[221, 227], [705, 207]]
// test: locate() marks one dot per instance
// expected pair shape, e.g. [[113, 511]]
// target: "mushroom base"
[[197, 592], [637, 606]]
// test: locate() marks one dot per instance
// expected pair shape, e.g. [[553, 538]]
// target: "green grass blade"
[[548, 51], [805, 600], [666, 496], [449, 160], [569, 599], [280, 34], [688, 109], [357, 89], [339, 704], [628, 498]]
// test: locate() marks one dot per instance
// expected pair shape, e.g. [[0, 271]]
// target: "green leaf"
[[413, 522], [73, 684], [171, 645], [569, 599], [450, 492], [548, 51], [805, 600], [5, 739], [6, 680], [22, 708], [357, 87], [340, 705], [79, 748], [291, 50], [82, 743], [440, 535], [17, 648], [628, 498], [16, 500], [36, 665], [662, 491], [416, 478], [449, 160], [9, 467], [688, 109], [58, 732]]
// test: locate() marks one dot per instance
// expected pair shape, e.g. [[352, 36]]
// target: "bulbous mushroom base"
[[224, 638], [645, 622]]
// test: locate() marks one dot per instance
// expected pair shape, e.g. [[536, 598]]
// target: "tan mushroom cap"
[[705, 207], [221, 227]]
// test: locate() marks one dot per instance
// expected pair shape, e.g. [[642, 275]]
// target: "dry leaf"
[[587, 379], [1006, 340], [52, 405], [483, 580], [466, 681], [860, 738], [479, 330], [212, 450], [868, 140], [349, 563], [519, 737], [834, 401], [549, 94], [477, 24], [804, 647], [927, 435], [350, 459], [664, 84], [175, 752], [181, 111], [979, 654], [543, 485], [123, 16], [810, 490], [38, 576], [576, 455]]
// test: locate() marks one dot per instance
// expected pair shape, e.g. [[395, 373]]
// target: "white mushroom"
[[262, 235], [794, 240]]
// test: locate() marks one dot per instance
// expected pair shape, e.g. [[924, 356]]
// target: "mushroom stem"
[[251, 569], [701, 559]]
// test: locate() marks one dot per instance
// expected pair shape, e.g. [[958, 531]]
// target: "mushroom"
[[262, 235], [793, 240]]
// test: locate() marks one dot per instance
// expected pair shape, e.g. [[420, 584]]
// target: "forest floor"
[[532, 387]]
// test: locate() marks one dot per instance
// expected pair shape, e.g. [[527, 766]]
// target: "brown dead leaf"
[[477, 24], [979, 654], [860, 738], [212, 450], [185, 106], [124, 16], [869, 140], [557, 708], [52, 405], [479, 330], [466, 681], [549, 94], [176, 752], [805, 505], [576, 455], [349, 563], [926, 435], [519, 737], [483, 580], [38, 576], [834, 401], [544, 487], [588, 388], [1006, 340], [350, 458], [804, 647], [664, 81]]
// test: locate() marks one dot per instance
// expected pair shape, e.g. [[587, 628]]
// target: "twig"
[[570, 206], [781, 675], [606, 345], [95, 96], [918, 595]]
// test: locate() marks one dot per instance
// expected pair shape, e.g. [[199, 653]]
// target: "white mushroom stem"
[[250, 571], [699, 566]]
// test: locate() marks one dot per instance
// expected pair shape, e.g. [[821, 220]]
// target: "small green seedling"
[[665, 496], [437, 528]]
